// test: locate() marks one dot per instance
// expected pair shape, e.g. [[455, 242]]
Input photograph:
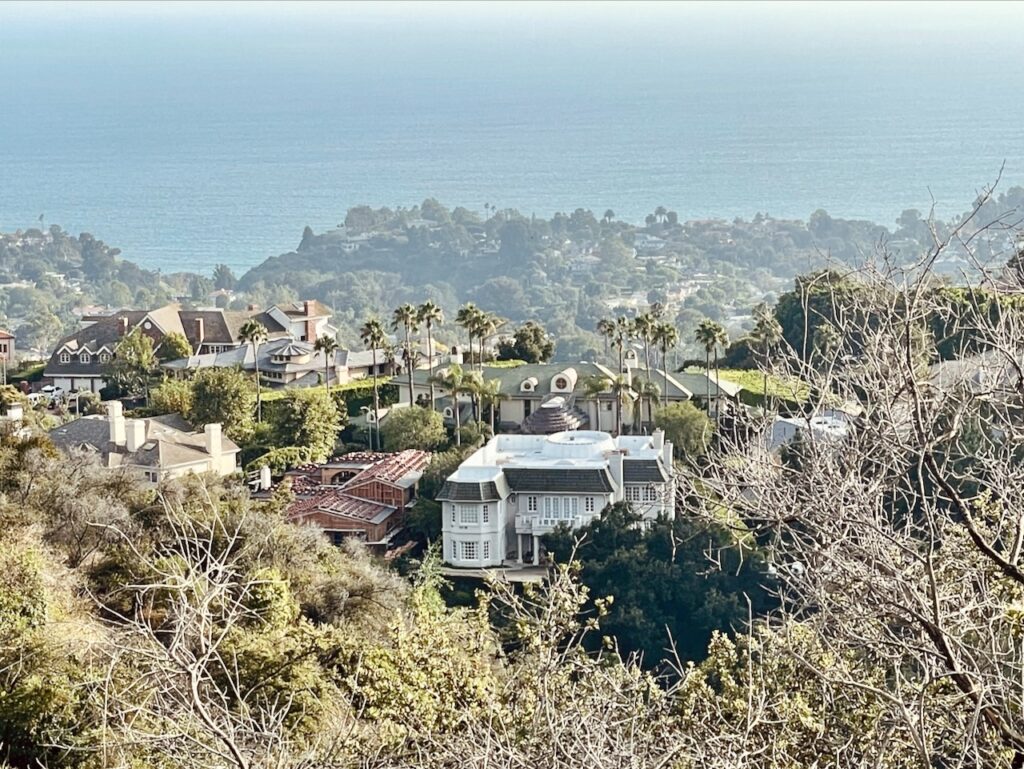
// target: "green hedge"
[[281, 460], [26, 372]]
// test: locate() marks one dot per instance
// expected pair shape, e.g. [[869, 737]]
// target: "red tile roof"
[[314, 497], [393, 467], [333, 502]]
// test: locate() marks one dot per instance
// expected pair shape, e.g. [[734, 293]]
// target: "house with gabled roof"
[[546, 398], [285, 362], [80, 360], [158, 448], [505, 496]]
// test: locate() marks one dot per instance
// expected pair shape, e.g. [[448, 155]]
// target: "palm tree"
[[643, 328], [619, 385], [373, 336], [491, 396], [453, 380], [428, 314], [710, 335], [622, 334], [406, 317], [666, 337], [606, 329], [487, 326], [648, 391], [467, 318], [327, 346], [767, 333], [255, 333], [473, 381]]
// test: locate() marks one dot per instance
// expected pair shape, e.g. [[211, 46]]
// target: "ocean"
[[187, 138]]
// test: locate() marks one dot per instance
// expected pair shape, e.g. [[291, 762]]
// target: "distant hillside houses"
[[80, 360], [545, 398], [288, 363]]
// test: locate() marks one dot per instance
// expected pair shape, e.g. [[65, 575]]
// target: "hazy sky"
[[65, 49]]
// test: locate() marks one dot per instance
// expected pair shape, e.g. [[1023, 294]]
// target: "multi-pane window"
[[650, 494], [469, 514], [589, 505], [487, 549], [65, 357], [531, 504], [104, 357], [563, 508], [453, 513], [84, 358], [486, 514], [469, 551]]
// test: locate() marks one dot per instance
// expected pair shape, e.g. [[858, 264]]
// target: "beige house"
[[6, 346], [159, 448]]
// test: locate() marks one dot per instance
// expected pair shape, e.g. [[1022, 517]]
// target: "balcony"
[[537, 524]]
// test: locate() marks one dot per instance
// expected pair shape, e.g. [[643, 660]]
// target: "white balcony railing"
[[537, 524]]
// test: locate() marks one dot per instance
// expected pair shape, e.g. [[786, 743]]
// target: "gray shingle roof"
[[453, 491], [643, 471], [558, 479]]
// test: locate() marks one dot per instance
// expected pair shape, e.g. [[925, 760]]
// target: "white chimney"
[[115, 416], [666, 456], [213, 441], [135, 434], [615, 468]]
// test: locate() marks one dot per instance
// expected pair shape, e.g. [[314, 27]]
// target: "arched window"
[[104, 357], [65, 356], [561, 383], [84, 357]]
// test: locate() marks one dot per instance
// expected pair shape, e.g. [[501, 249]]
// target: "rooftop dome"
[[578, 444], [294, 350]]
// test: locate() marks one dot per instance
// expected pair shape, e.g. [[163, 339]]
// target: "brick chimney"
[[115, 416]]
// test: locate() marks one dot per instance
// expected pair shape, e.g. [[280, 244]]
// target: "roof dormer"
[[564, 381], [528, 385]]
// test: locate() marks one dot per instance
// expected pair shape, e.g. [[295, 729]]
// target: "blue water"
[[188, 139]]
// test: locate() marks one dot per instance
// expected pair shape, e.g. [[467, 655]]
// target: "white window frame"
[[65, 356], [590, 504], [469, 550], [486, 549], [531, 504], [104, 357], [84, 357], [485, 516], [469, 515]]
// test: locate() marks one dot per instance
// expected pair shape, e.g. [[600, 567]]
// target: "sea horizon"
[[184, 160]]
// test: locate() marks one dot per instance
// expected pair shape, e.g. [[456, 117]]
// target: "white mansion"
[[516, 488]]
